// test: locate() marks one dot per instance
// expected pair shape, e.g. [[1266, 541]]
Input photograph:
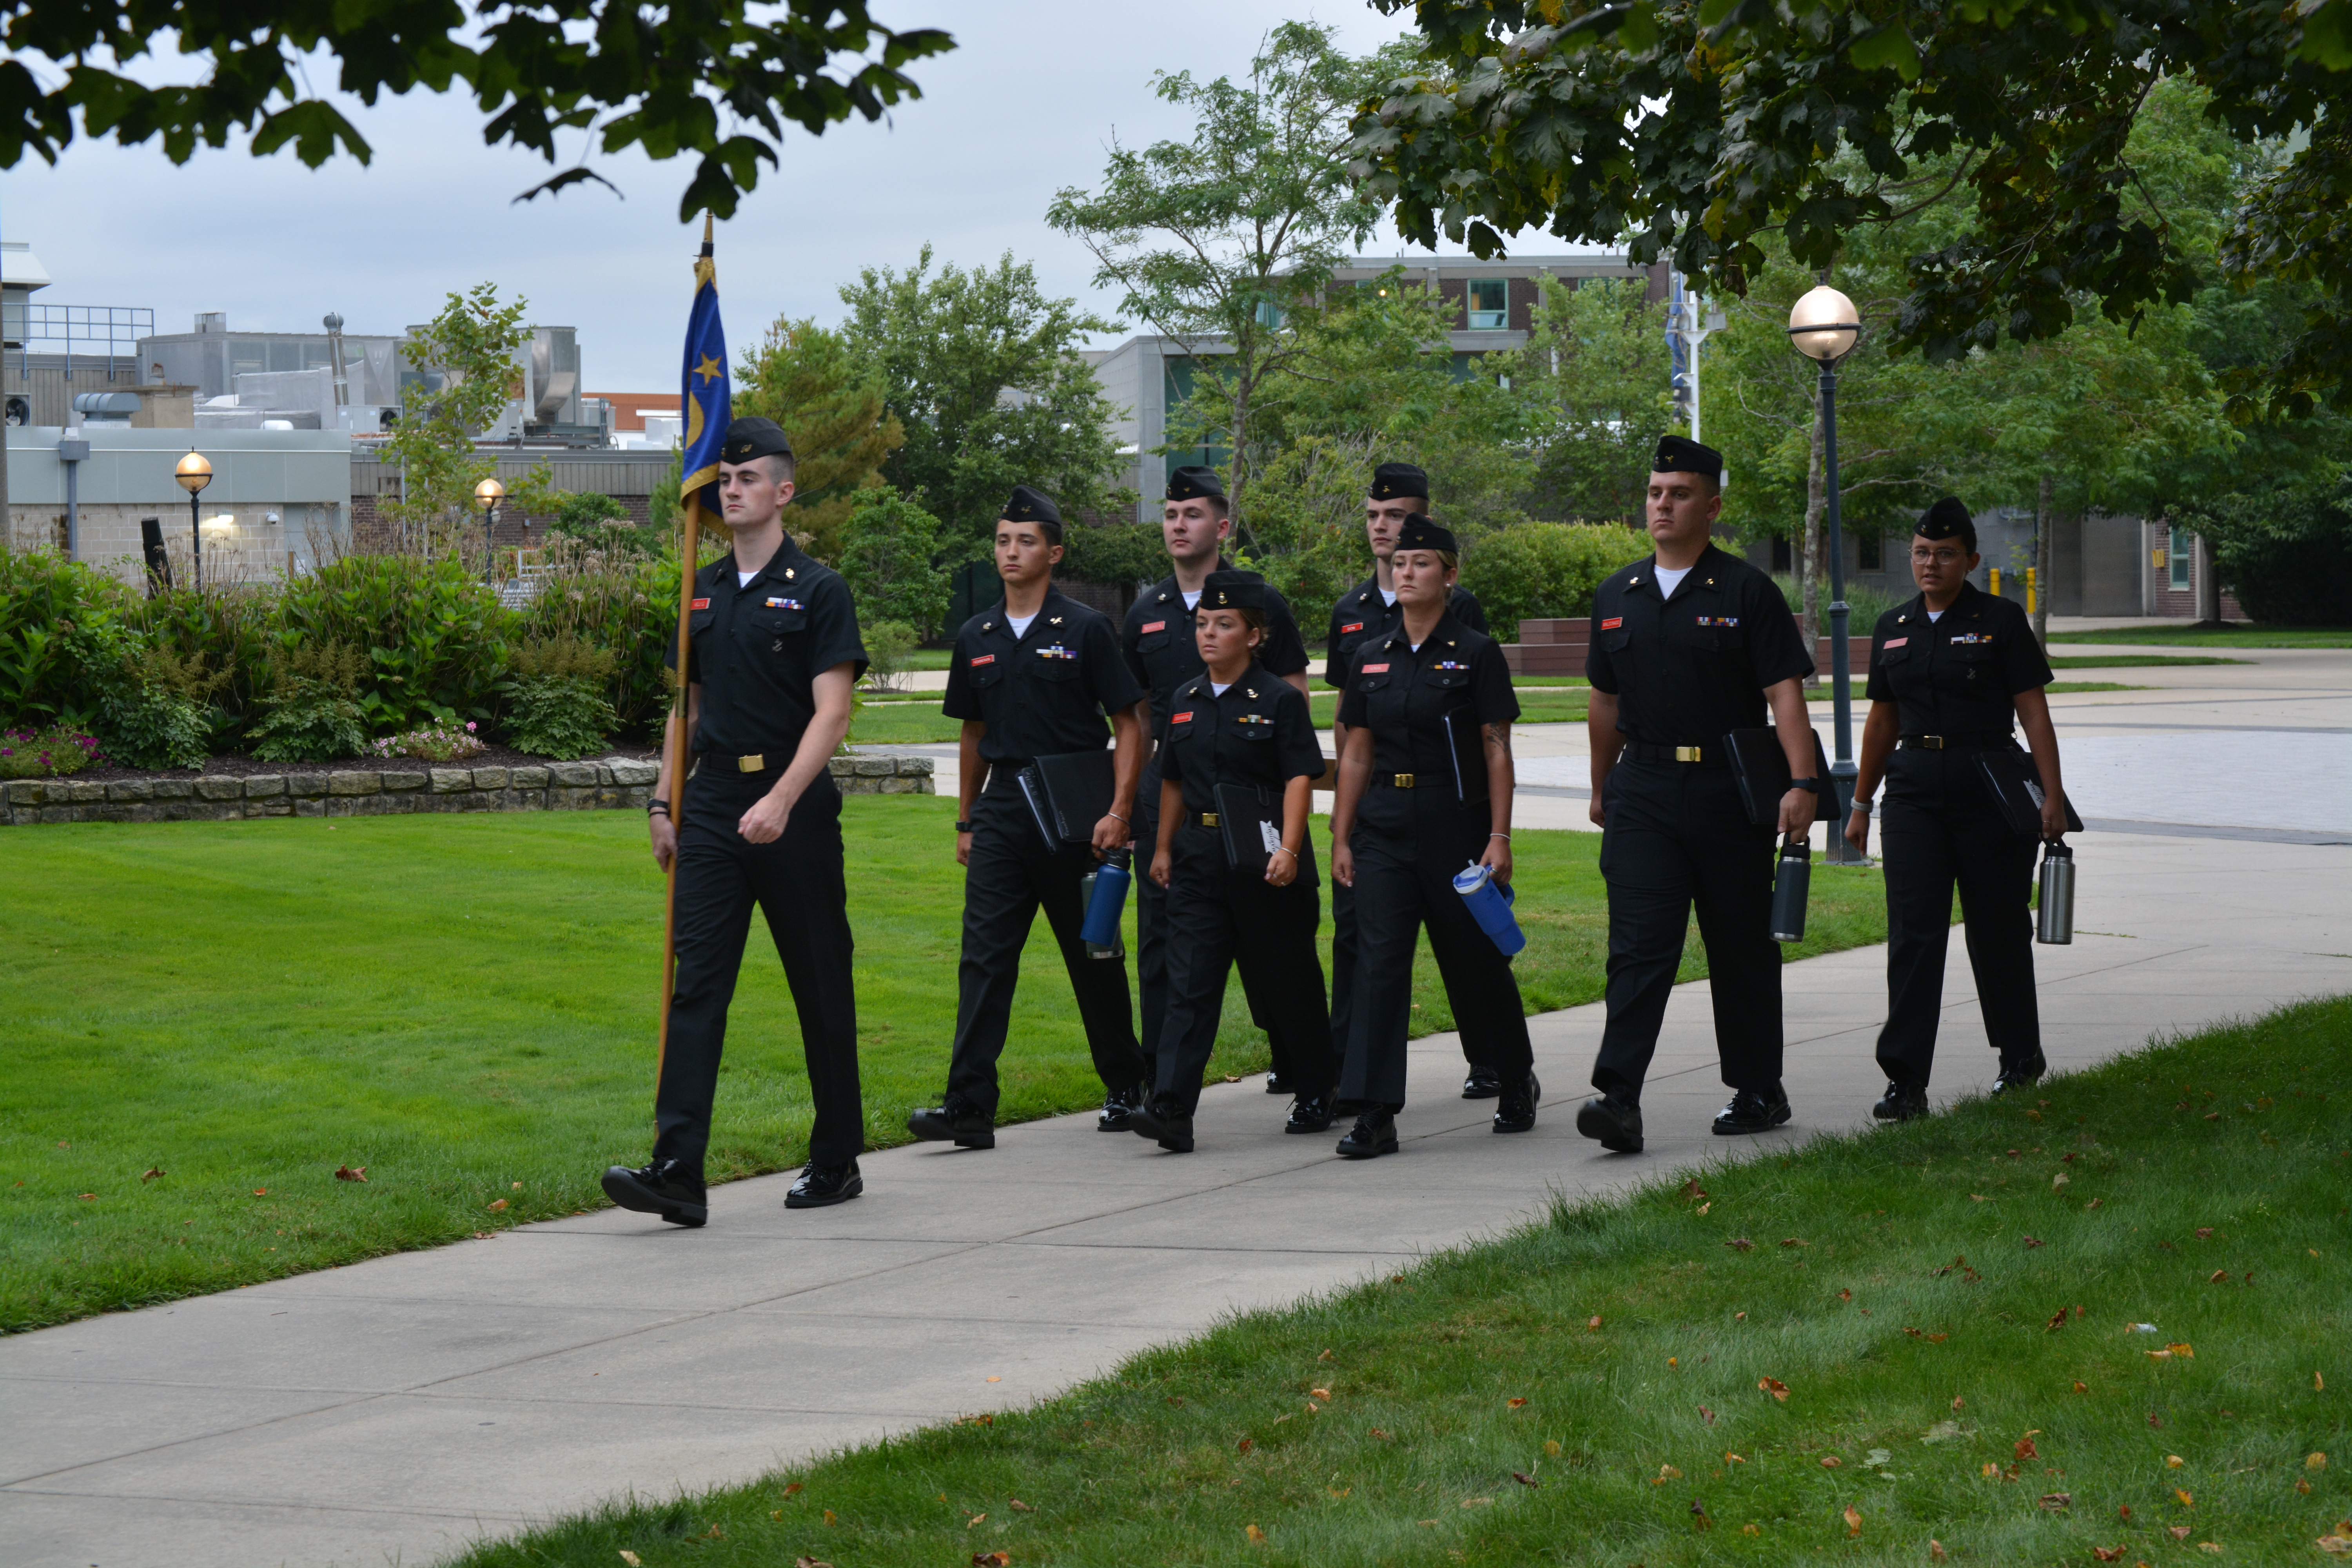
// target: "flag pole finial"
[[705, 233]]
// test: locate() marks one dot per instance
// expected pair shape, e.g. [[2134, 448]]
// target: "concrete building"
[[54, 352]]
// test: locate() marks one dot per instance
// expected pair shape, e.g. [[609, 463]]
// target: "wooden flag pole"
[[676, 771]]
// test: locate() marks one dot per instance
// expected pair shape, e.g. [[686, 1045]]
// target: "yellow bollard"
[[1996, 582], [2029, 590]]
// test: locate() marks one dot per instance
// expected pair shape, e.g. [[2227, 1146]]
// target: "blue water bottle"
[[1106, 890], [1490, 906]]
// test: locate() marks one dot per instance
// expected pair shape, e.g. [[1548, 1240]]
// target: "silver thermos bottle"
[[2057, 915], [1791, 880]]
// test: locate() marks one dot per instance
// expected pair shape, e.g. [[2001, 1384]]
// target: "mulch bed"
[[247, 767]]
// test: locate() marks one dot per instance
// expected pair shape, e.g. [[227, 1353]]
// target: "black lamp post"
[[1823, 327], [489, 492], [195, 472]]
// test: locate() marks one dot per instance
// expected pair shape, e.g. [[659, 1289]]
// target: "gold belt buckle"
[[1687, 754], [1208, 819], [1933, 742], [751, 765], [1404, 781]]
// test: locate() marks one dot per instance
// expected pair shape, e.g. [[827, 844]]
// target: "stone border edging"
[[610, 785]]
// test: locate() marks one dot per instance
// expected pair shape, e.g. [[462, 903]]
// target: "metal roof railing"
[[102, 331]]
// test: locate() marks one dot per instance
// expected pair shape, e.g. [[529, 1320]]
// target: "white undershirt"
[[1219, 690], [743, 578], [1388, 597], [1669, 579], [1935, 616], [1192, 600], [1020, 624]]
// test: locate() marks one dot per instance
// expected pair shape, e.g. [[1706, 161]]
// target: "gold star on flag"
[[710, 370]]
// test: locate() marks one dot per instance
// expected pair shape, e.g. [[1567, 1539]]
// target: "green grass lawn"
[[465, 1007], [2135, 660], [2235, 635], [1910, 1345]]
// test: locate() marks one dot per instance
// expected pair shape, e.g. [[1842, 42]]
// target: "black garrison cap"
[[754, 436], [1031, 506], [1949, 519], [1195, 484], [1233, 590], [1420, 533], [1681, 454], [1392, 480]]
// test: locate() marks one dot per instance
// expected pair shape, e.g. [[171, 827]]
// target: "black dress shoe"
[[1483, 1083], [1276, 1084], [823, 1185], [2023, 1073], [1119, 1107], [1901, 1102], [1310, 1113], [1374, 1133], [1516, 1114], [959, 1121], [1753, 1111], [1158, 1120], [663, 1188], [1613, 1122]]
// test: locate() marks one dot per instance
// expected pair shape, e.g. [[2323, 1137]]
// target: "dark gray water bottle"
[[1791, 878], [2056, 925]]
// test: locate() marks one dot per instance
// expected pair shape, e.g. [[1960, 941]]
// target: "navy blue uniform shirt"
[[1259, 733], [1046, 693], [1424, 709], [1159, 643], [1688, 671], [757, 649], [1956, 675], [1361, 616]]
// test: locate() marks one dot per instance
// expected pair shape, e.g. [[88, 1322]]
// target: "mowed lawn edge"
[[207, 1021], [2106, 1321]]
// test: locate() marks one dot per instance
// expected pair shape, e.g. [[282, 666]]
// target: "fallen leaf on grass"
[[1831, 1461], [2033, 1241], [1751, 1529], [1245, 1445], [1339, 1492], [1525, 1480], [1795, 1241], [975, 1518], [2183, 1352], [1775, 1387], [497, 1205], [1325, 1356], [2335, 1545], [1703, 1208], [809, 1562], [344, 1173], [2057, 1320], [2082, 1387], [1707, 1415], [1516, 1402], [2186, 1500], [1382, 1436], [791, 1487], [995, 1559], [1936, 1552], [1551, 1447], [1232, 1078], [2314, 1461], [1324, 1394], [261, 1191], [1740, 1244], [2204, 1233], [1691, 1189], [1989, 1470], [2209, 1546], [1592, 1324], [1852, 1520], [828, 1516], [2217, 1277], [1732, 1460], [2107, 1553], [631, 1558], [2054, 1502], [151, 1172], [2026, 1450], [1666, 1473], [1698, 1515]]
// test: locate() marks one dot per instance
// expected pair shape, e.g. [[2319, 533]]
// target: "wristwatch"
[[1805, 783], [963, 827]]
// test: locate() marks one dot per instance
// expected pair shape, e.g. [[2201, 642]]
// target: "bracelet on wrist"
[[657, 808], [1805, 783], [1504, 836], [963, 827]]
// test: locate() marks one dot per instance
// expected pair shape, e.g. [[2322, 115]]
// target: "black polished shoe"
[[821, 1186], [1158, 1120], [1310, 1113], [662, 1188], [1901, 1102], [1611, 1122], [1483, 1083], [958, 1122], [1119, 1107], [1374, 1133], [1516, 1114], [1276, 1084], [1753, 1111], [2022, 1074]]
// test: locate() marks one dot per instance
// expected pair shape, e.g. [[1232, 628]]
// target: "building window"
[[1870, 552], [2179, 552], [1783, 558], [1490, 304]]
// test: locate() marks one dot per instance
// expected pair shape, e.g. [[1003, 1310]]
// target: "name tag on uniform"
[[1612, 623], [1057, 653], [983, 659], [1967, 639], [1376, 669], [702, 604], [1718, 620], [1895, 642], [783, 604], [1351, 626], [1183, 717], [1151, 627]]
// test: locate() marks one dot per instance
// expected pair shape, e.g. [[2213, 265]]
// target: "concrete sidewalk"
[[395, 1410]]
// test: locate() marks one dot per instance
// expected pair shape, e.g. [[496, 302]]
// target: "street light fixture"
[[489, 492], [1824, 327], [195, 472]]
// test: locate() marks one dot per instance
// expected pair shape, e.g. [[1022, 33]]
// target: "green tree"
[[982, 373], [667, 80], [1595, 376], [887, 542], [467, 355], [1214, 241], [804, 378]]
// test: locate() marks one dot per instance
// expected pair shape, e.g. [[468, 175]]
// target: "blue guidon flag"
[[706, 401]]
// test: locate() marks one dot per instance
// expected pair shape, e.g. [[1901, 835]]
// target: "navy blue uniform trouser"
[[1676, 838], [1343, 982], [1012, 875], [1941, 828], [797, 882], [1403, 883], [1219, 918]]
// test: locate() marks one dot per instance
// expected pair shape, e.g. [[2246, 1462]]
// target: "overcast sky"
[[1024, 105]]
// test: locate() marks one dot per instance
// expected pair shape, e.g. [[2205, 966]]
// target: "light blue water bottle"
[[1105, 889], [1490, 906]]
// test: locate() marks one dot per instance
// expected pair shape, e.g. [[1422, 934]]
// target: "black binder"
[[1252, 829], [1068, 794], [2016, 788], [1761, 768], [1468, 756]]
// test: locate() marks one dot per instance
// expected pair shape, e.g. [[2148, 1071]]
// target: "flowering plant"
[[435, 743], [46, 754]]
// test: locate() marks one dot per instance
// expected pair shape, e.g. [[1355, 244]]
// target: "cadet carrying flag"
[[704, 401]]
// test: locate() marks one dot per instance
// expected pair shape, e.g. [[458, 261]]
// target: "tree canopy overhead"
[[717, 79], [1697, 129]]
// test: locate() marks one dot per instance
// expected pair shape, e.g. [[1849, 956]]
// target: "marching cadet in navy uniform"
[[1947, 673], [1424, 792], [1033, 676], [1236, 724], [1365, 613], [1158, 641], [1687, 647], [774, 652]]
